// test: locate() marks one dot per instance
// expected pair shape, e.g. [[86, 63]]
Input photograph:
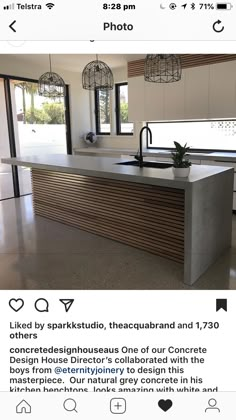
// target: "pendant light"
[[162, 68], [97, 75], [51, 84]]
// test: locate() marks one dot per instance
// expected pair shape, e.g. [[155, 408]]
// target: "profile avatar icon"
[[212, 405]]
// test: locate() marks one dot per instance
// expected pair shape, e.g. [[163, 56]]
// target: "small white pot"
[[181, 172]]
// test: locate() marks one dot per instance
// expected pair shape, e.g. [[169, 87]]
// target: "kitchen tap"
[[140, 156]]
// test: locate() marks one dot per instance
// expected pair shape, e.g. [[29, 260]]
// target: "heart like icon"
[[165, 405], [16, 304]]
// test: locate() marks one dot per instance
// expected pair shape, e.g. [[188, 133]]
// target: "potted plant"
[[181, 165]]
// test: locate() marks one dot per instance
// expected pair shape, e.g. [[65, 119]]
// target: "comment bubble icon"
[[41, 305]]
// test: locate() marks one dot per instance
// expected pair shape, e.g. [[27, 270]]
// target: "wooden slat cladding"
[[136, 68], [147, 217]]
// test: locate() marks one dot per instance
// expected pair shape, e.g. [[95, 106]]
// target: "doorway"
[[6, 179], [29, 125]]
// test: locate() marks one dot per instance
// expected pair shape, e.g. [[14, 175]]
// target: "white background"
[[129, 306]]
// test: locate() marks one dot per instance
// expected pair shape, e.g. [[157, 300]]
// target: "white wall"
[[13, 65]]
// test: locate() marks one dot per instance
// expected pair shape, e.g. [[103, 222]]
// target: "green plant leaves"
[[178, 157]]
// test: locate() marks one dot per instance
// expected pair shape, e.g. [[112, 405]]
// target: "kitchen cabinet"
[[174, 100], [196, 83], [234, 202], [222, 90], [145, 100], [228, 165], [136, 99], [203, 92], [153, 101]]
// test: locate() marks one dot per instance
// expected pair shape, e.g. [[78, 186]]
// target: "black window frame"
[[117, 108], [97, 115], [148, 123]]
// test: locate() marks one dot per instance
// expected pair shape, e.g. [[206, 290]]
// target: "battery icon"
[[224, 6]]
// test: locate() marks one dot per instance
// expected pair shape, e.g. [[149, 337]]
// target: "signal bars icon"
[[9, 7], [50, 5]]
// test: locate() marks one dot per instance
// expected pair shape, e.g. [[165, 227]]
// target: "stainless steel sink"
[[159, 165]]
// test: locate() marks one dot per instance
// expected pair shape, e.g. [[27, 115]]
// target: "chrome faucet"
[[140, 156]]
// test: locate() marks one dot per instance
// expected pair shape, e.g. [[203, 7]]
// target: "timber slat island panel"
[[187, 220], [147, 217]]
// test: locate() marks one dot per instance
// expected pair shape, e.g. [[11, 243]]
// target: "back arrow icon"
[[11, 26], [218, 22]]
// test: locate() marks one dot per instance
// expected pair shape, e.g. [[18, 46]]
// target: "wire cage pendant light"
[[51, 85], [97, 75], [162, 68]]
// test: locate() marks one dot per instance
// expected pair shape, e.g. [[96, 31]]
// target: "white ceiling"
[[76, 62]]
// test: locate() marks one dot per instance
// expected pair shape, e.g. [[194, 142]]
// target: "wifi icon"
[[50, 5]]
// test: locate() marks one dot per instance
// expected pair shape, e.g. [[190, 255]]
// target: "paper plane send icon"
[[68, 303]]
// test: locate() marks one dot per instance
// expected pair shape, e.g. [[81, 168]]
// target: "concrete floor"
[[36, 253], [6, 182]]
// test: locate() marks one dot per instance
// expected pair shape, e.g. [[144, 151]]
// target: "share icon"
[[68, 303]]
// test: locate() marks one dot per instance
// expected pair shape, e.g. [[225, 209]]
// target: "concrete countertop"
[[106, 167], [214, 156], [104, 150], [220, 156]]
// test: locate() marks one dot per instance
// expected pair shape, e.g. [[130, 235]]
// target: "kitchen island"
[[185, 220]]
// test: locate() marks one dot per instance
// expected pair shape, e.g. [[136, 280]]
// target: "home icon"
[[23, 408]]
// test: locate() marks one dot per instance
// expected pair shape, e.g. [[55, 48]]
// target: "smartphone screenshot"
[[117, 210]]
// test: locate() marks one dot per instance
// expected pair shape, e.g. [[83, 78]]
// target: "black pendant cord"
[[50, 63]]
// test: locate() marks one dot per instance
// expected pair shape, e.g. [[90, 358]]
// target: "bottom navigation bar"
[[137, 405]]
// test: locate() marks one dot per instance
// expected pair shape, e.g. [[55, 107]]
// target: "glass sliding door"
[[6, 179], [29, 125], [39, 125]]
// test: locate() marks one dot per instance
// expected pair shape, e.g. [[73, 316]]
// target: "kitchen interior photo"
[[117, 171]]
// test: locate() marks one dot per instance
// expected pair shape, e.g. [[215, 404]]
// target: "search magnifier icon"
[[70, 405]]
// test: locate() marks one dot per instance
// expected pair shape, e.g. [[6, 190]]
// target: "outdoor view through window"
[[203, 135], [39, 129]]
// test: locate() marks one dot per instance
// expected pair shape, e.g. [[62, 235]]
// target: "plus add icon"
[[118, 405]]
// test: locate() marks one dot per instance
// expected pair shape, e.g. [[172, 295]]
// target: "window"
[[203, 135], [103, 105], [102, 111], [123, 127]]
